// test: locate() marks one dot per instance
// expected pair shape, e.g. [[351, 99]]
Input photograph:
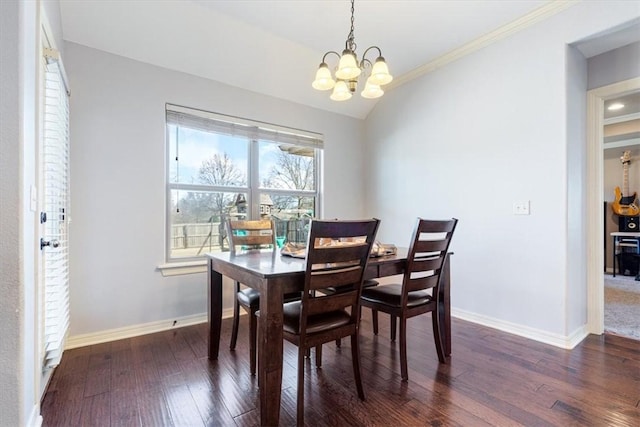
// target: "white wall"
[[19, 47], [118, 191], [614, 66], [473, 137], [29, 106], [11, 286], [576, 81]]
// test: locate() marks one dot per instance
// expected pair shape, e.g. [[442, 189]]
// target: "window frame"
[[253, 190]]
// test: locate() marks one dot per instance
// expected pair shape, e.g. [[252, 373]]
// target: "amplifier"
[[629, 223]]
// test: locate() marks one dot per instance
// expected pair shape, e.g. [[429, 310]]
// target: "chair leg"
[[437, 337], [253, 337], [258, 361], [300, 410], [355, 358], [374, 320], [393, 327], [236, 321], [403, 349], [319, 356], [338, 343]]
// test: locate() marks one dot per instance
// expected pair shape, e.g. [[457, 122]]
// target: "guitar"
[[624, 204]]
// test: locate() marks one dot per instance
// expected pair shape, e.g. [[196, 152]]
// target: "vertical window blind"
[[55, 167]]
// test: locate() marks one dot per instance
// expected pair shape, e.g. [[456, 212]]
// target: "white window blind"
[[55, 167], [236, 126]]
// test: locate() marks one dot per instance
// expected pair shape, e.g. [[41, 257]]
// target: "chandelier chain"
[[351, 43]]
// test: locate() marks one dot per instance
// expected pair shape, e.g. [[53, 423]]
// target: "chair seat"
[[315, 323], [392, 294], [333, 290], [251, 298]]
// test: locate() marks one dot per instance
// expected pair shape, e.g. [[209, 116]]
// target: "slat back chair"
[[321, 317], [420, 288], [249, 234]]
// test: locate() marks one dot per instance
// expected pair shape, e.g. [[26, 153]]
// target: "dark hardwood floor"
[[492, 379]]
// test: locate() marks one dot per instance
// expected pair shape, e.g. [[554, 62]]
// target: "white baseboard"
[[567, 342], [137, 330], [35, 419]]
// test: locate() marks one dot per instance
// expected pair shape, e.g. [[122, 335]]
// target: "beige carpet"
[[622, 306]]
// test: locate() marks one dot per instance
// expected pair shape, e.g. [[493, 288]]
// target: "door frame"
[[595, 197]]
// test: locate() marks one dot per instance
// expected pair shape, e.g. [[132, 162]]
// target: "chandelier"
[[349, 71]]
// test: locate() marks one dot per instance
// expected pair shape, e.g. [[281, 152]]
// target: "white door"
[[53, 277]]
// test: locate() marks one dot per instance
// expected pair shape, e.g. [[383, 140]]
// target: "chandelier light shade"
[[371, 90], [341, 91], [349, 70], [348, 66], [380, 72], [324, 80]]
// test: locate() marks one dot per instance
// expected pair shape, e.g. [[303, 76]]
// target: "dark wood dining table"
[[273, 275]]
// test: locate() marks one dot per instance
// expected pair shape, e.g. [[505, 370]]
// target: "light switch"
[[521, 208]]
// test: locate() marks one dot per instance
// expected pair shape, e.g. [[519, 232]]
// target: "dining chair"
[[250, 234], [418, 293], [320, 317], [367, 283]]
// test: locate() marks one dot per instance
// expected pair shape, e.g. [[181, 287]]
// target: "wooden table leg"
[[214, 309], [270, 347], [445, 307]]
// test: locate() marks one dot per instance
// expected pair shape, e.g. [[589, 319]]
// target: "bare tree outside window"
[[291, 172], [220, 170]]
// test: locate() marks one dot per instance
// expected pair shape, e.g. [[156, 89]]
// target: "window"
[[225, 167]]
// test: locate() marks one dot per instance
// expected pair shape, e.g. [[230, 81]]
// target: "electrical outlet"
[[521, 208]]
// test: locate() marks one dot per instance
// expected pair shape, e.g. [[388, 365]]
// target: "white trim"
[[621, 119], [595, 198], [35, 419], [52, 52], [540, 14], [137, 330], [619, 144], [594, 214], [180, 268], [556, 340], [53, 55]]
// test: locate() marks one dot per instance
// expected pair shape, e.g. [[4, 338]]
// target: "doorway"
[[596, 99], [621, 147]]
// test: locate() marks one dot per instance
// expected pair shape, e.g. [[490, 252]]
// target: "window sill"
[[180, 268]]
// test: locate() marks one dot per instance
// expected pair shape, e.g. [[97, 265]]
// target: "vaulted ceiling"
[[275, 47]]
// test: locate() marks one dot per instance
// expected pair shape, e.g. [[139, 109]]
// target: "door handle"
[[53, 243]]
